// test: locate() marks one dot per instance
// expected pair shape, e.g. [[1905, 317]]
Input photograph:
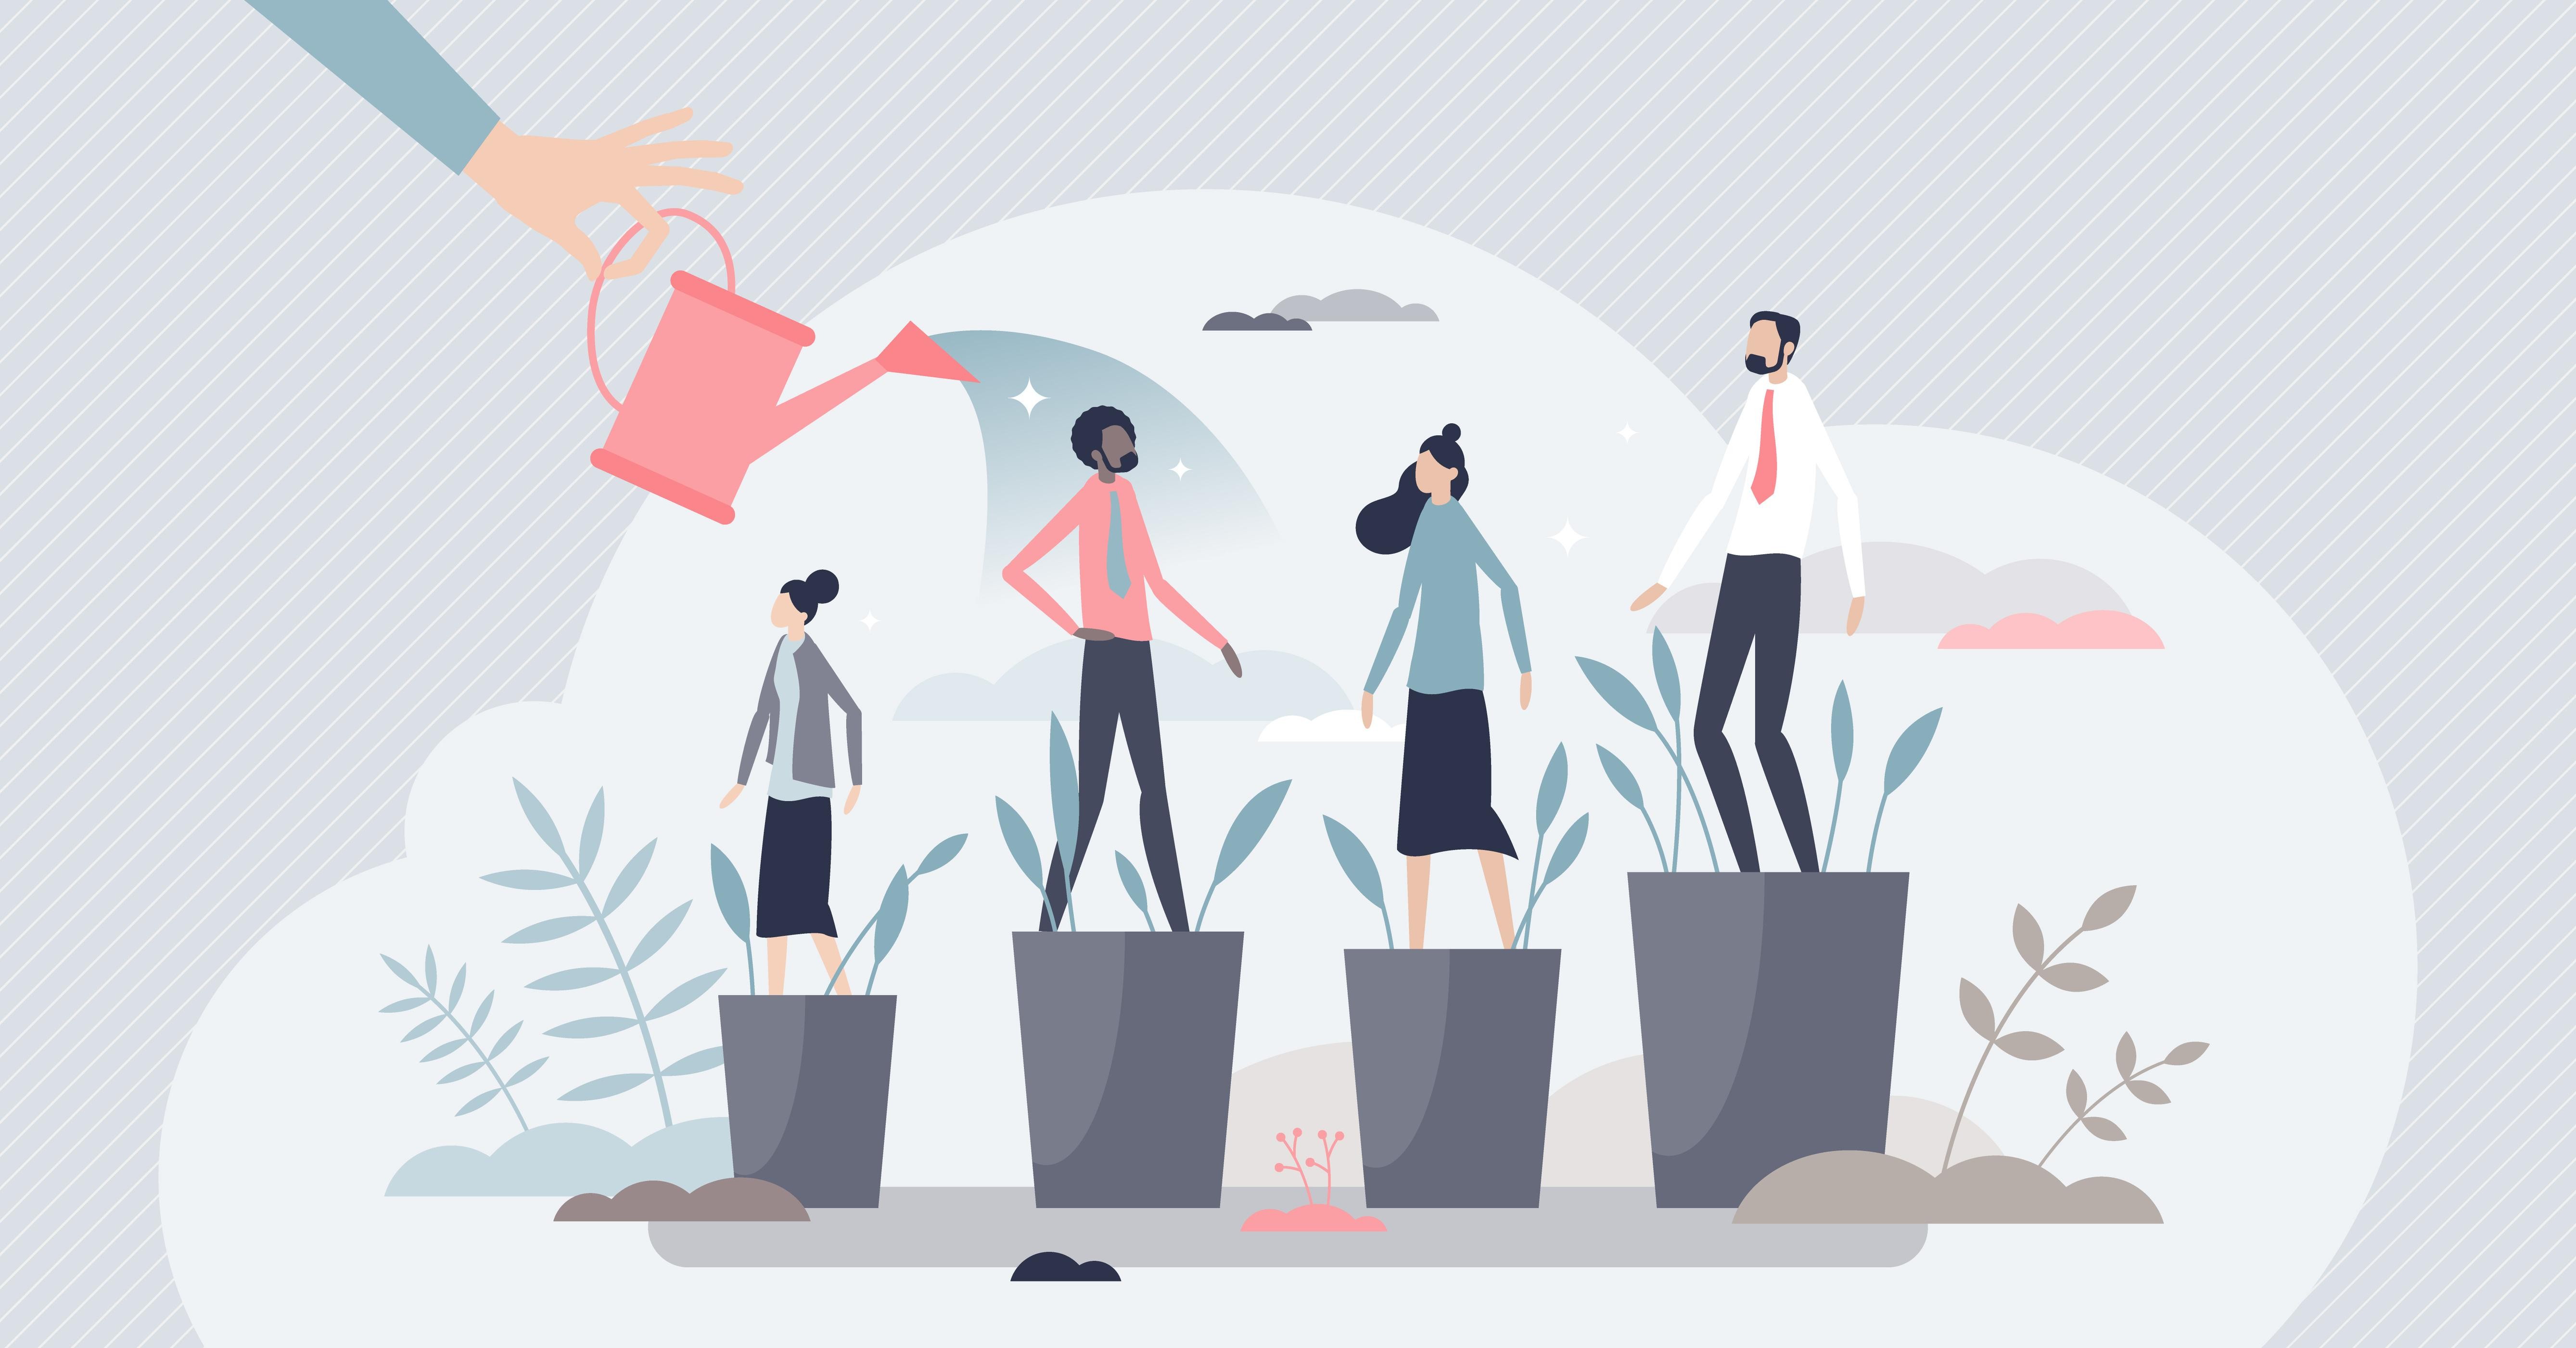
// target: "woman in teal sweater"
[[1447, 800]]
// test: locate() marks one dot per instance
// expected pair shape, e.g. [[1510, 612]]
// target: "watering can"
[[704, 403]]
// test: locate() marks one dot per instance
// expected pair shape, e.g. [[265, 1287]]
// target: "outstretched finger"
[[689, 177], [656, 229], [666, 150], [650, 126]]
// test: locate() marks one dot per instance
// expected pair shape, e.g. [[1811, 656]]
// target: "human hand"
[[1653, 593], [1232, 662], [1525, 687], [1368, 709], [730, 796], [547, 182], [853, 802], [1851, 624], [1093, 633]]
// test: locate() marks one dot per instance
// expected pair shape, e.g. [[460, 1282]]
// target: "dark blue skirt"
[[796, 868], [1447, 803]]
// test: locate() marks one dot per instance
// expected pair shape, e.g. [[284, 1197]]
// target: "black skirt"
[[796, 868], [1447, 803]]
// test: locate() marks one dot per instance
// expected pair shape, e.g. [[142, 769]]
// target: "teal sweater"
[[1440, 572]]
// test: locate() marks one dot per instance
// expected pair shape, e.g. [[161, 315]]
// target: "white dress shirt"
[[1779, 523]]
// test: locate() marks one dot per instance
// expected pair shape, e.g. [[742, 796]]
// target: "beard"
[[1759, 366]]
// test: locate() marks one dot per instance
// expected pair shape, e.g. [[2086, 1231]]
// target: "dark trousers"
[[1118, 687], [1757, 613]]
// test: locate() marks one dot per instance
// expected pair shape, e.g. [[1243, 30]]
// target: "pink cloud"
[[2097, 630]]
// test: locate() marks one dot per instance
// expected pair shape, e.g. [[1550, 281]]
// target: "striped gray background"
[[294, 423]]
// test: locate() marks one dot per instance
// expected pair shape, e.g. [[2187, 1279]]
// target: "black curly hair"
[[1086, 435]]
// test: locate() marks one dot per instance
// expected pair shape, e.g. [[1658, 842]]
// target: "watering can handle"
[[592, 332]]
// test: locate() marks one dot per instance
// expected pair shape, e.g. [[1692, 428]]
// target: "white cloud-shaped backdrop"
[[2224, 775]]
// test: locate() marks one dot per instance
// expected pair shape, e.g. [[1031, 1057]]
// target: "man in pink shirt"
[[1117, 566]]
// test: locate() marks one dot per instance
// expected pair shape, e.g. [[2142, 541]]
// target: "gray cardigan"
[[817, 687]]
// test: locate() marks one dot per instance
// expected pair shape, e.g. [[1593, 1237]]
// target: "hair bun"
[[822, 587], [1450, 432]]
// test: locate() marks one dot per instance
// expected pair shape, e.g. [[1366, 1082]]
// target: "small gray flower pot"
[[805, 1093], [1767, 1004], [1451, 1050], [1127, 1045]]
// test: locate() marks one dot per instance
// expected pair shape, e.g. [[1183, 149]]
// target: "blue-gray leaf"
[[538, 819], [429, 973], [1621, 780], [590, 830], [528, 1071], [1551, 790], [400, 972], [732, 900], [1061, 787], [405, 1004], [547, 930], [605, 1087], [1909, 748], [506, 1036], [1249, 825], [1567, 849], [481, 1013], [1357, 864], [591, 1027], [659, 936], [422, 1028], [696, 1062], [892, 911], [568, 979], [1022, 844], [684, 994], [456, 989], [442, 1050], [1135, 888], [940, 855], [1668, 680], [479, 1101], [529, 879], [1842, 731], [460, 1074], [628, 878], [1622, 695]]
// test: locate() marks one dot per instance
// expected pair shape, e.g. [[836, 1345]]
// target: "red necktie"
[[1766, 470]]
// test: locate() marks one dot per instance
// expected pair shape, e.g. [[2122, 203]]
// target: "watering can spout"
[[911, 352]]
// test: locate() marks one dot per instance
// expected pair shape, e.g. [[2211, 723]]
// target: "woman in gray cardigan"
[[795, 714]]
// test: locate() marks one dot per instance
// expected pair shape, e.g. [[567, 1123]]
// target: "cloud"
[[1354, 306], [1333, 727], [2100, 630], [1913, 588], [1274, 684], [556, 1159], [1049, 1266], [1235, 320], [725, 1200], [1868, 1186]]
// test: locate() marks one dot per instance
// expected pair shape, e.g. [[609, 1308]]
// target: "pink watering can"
[[704, 403]]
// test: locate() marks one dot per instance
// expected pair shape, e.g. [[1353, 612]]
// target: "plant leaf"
[[2108, 908], [1022, 845], [479, 1101], [456, 989], [421, 1029], [2069, 976], [506, 1036], [2150, 1092], [481, 1014], [591, 1027], [1979, 1011], [1249, 825], [2026, 938], [1910, 745], [1061, 793], [1135, 884], [2184, 1053], [2126, 1056], [891, 911], [2104, 1129], [538, 819], [2029, 1045], [568, 979], [630, 877], [405, 1004], [733, 902], [590, 830], [529, 879], [1567, 849], [604, 1087], [460, 1074], [1842, 725], [429, 973], [1357, 865], [401, 972], [1621, 780], [442, 1050], [659, 936], [940, 855], [528, 1071], [2075, 1096], [547, 930], [696, 1062], [1668, 680], [1622, 695], [684, 994], [1551, 784]]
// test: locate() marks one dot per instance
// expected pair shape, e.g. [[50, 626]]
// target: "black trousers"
[[1757, 614], [1118, 688]]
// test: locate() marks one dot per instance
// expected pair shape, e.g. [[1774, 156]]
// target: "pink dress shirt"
[[1117, 614]]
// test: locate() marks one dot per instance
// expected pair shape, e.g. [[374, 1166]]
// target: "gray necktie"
[[1117, 550]]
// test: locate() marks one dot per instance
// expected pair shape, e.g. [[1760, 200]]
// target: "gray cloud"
[[1234, 320], [1869, 1186], [555, 1159], [1354, 306], [1913, 588], [1187, 688]]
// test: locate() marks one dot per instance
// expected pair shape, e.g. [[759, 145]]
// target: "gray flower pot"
[[805, 1090], [1451, 1050], [1127, 1044], [1767, 1003]]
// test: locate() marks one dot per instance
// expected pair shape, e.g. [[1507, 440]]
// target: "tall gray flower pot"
[[1451, 1050], [805, 1091], [1127, 1045], [1767, 1003]]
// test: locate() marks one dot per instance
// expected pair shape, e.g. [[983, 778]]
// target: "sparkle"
[[1627, 432], [1180, 469], [1566, 537], [1029, 397], [869, 622]]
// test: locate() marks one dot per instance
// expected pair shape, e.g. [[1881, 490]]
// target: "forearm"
[[1181, 609], [1386, 647], [750, 748], [380, 56], [1512, 624], [854, 747], [1020, 580], [1701, 518]]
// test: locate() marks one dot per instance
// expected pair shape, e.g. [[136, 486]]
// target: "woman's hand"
[[1525, 687], [548, 182], [852, 802], [730, 796], [1368, 709], [1653, 593], [1851, 624]]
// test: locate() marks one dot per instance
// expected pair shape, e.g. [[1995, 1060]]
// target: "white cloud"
[[1333, 727]]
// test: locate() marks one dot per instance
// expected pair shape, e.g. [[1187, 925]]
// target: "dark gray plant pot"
[[1451, 1050], [1767, 1003], [1127, 1044], [805, 1089]]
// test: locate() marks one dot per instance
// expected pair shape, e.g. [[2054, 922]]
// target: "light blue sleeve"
[[1492, 566], [376, 52], [1395, 625]]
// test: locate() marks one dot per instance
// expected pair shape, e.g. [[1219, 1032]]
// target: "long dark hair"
[[812, 593], [1386, 524]]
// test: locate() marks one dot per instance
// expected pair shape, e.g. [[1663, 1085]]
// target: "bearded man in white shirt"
[[1769, 473]]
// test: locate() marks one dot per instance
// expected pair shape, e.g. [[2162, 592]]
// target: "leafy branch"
[[1624, 699], [427, 986], [892, 909], [2131, 1080], [2028, 1045], [1551, 795], [733, 902], [1361, 869], [1245, 834]]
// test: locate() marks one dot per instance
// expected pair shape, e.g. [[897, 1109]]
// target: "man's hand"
[[730, 796], [1368, 709], [1093, 633], [1232, 662], [853, 802], [1525, 687], [1653, 593], [548, 182], [1851, 624]]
